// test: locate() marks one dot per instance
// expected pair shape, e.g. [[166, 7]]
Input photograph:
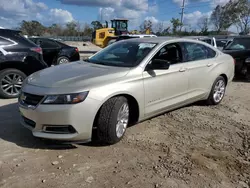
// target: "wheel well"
[[14, 65], [225, 77], [134, 109]]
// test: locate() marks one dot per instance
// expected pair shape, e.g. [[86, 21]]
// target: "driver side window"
[[170, 53]]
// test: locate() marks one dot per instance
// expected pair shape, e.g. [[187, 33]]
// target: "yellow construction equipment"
[[102, 37], [148, 31]]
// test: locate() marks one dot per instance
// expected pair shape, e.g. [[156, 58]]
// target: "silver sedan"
[[127, 82]]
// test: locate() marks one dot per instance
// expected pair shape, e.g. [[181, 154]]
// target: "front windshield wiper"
[[96, 62], [106, 63]]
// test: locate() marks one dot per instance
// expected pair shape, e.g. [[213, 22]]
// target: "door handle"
[[209, 64], [182, 70]]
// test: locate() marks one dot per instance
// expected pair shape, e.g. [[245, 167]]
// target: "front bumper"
[[80, 116]]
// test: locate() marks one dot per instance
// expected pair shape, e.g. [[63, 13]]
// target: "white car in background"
[[130, 36], [218, 43]]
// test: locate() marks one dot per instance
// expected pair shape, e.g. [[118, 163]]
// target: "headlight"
[[66, 98]]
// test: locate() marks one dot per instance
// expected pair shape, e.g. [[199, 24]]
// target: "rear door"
[[200, 61], [50, 50]]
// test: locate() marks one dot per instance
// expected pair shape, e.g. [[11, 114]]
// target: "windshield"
[[123, 54], [239, 44]]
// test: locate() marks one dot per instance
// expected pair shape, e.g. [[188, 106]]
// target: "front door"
[[166, 89]]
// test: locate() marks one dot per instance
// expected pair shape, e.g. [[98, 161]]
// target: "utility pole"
[[182, 13], [101, 15]]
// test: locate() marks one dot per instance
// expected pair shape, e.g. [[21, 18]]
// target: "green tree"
[[71, 29], [159, 27], [176, 24], [203, 25], [96, 25], [87, 30], [32, 28], [55, 30], [243, 15], [224, 16], [147, 24]]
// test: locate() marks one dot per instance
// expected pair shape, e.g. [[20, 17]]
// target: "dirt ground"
[[195, 146]]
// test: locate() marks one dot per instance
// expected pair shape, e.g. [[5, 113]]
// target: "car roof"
[[242, 36], [163, 39], [137, 35], [37, 37], [9, 30]]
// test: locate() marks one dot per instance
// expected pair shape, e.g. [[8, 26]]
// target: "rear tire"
[[62, 60], [10, 83], [113, 120], [217, 92]]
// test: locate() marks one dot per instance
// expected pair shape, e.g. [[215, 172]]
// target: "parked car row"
[[219, 43], [56, 52], [130, 36], [20, 57], [124, 83], [239, 49]]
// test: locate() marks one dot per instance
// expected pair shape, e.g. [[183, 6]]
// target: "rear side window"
[[32, 40], [195, 52], [5, 42], [45, 43], [209, 41], [221, 43], [22, 40], [61, 44]]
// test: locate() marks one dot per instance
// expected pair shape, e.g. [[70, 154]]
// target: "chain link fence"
[[72, 38]]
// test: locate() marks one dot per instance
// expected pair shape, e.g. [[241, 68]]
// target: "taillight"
[[37, 49], [76, 49]]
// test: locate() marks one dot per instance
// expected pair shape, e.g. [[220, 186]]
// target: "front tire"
[[217, 92], [11, 81], [113, 120]]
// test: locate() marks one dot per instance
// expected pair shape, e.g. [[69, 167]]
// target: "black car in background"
[[239, 49], [55, 52], [19, 58]]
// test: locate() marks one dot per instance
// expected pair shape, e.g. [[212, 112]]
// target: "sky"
[[12, 12]]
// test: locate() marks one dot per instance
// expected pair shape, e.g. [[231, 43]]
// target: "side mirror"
[[158, 64]]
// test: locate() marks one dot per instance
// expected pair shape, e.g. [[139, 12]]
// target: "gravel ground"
[[195, 146]]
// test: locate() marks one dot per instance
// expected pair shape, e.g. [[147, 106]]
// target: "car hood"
[[76, 74]]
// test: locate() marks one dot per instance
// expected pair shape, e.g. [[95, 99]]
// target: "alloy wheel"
[[122, 120], [11, 84], [219, 91], [63, 61]]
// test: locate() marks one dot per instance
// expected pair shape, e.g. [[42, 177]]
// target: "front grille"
[[29, 122], [31, 99]]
